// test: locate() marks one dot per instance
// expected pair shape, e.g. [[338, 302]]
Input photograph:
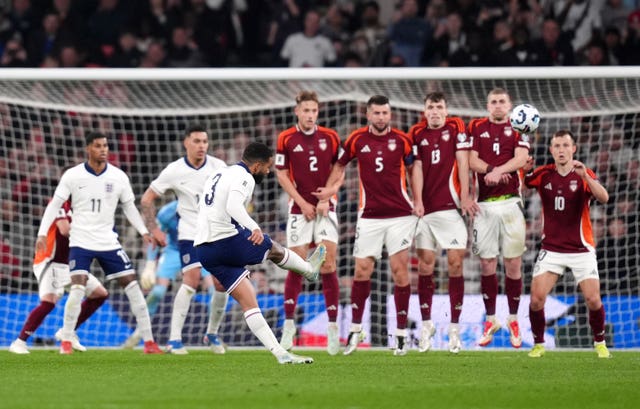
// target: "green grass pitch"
[[110, 379]]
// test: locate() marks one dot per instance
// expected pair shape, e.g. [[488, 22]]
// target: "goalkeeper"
[[159, 272]]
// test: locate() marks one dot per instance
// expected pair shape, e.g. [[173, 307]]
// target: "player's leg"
[[80, 262], [288, 260], [512, 235], [182, 301], [217, 308], [426, 289], [541, 285], [49, 296], [401, 294], [292, 289], [455, 259], [331, 292], [586, 274]]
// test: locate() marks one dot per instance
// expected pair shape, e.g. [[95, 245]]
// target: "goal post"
[[44, 114]]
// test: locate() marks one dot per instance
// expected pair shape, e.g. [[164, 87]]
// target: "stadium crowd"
[[299, 33]]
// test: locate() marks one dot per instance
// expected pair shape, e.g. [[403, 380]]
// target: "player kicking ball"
[[228, 240]]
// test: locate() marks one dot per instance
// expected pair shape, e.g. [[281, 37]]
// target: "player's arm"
[[498, 174], [336, 177], [64, 227], [50, 214], [308, 210], [417, 184], [468, 206], [133, 215], [236, 210], [597, 190], [147, 204]]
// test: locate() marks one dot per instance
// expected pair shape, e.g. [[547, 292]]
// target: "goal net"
[[44, 115]]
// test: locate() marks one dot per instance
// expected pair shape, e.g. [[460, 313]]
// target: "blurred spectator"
[[260, 281], [127, 54], [183, 51], [103, 27], [450, 41], [613, 45], [22, 18], [631, 46], [518, 50], [14, 54], [308, 48], [70, 57], [155, 56], [44, 41], [211, 31], [410, 35], [370, 27], [614, 14], [553, 48], [596, 54], [285, 20], [9, 262], [578, 18], [160, 17]]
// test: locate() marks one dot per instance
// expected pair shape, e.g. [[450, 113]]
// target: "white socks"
[[139, 309], [260, 328], [72, 311], [180, 309], [292, 261], [216, 310]]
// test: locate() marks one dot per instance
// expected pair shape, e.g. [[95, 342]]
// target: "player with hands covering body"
[[566, 188], [305, 155], [185, 177], [497, 153], [95, 188], [440, 183], [385, 214], [228, 240]]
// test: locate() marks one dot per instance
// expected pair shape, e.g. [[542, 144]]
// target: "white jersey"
[[214, 221], [94, 199], [186, 182]]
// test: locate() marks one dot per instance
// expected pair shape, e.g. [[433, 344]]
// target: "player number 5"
[[379, 164]]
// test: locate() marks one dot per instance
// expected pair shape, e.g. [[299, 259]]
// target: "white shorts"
[[582, 265], [54, 278], [499, 225], [301, 232], [371, 234], [445, 228]]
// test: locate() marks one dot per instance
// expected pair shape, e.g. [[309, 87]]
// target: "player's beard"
[[380, 129], [258, 177]]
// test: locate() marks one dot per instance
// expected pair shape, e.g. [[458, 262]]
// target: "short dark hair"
[[377, 100], [194, 128], [563, 132], [256, 152], [92, 136], [436, 96], [306, 96]]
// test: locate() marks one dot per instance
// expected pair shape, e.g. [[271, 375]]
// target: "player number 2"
[[559, 203], [313, 163]]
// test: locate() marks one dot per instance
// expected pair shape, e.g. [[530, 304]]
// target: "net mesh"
[[43, 124]]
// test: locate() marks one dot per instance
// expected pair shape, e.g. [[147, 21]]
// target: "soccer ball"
[[525, 118]]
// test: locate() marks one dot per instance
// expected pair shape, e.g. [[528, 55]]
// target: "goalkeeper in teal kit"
[[160, 271]]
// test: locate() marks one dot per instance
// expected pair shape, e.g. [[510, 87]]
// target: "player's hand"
[[492, 178], [256, 237], [469, 207], [505, 178], [418, 209], [323, 193], [528, 165], [41, 244], [148, 240], [148, 276], [580, 168], [322, 208], [308, 210], [159, 237]]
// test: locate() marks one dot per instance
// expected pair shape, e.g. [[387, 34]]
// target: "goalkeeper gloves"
[[148, 276]]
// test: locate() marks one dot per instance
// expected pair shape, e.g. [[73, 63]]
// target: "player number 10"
[[559, 203]]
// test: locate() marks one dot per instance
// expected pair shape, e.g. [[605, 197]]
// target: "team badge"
[[392, 144], [508, 131], [108, 187], [186, 258], [462, 137], [573, 185], [524, 137], [322, 144], [445, 135]]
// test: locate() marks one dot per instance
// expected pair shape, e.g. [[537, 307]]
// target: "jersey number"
[[496, 148], [435, 156], [208, 198], [379, 164], [313, 163], [124, 257], [558, 203], [96, 205]]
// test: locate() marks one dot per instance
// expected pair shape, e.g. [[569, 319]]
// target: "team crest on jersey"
[[108, 187], [186, 258], [573, 185], [322, 144], [446, 135], [462, 137], [524, 137], [392, 144], [508, 131]]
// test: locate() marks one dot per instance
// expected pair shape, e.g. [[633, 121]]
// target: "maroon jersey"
[[57, 249], [437, 148], [382, 162], [496, 144], [309, 159], [565, 209]]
